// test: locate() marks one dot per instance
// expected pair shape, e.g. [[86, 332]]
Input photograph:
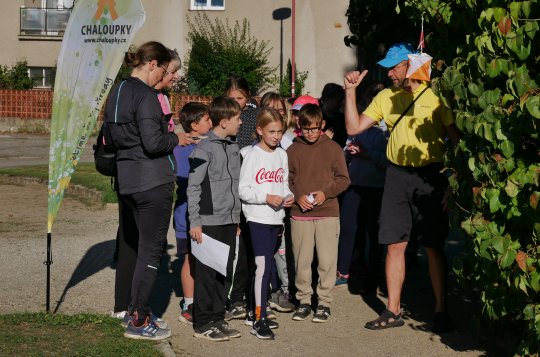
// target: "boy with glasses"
[[317, 175]]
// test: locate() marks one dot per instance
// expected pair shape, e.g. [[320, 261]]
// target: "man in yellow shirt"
[[414, 204]]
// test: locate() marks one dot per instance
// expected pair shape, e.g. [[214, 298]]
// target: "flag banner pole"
[[48, 263]]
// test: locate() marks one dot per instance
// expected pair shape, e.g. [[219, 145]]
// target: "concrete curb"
[[165, 348]]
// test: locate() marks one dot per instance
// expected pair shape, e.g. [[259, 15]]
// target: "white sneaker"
[[118, 315]]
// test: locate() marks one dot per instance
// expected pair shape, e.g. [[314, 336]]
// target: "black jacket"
[[138, 129]]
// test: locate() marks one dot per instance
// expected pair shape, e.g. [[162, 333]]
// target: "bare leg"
[[395, 274], [438, 272], [186, 276]]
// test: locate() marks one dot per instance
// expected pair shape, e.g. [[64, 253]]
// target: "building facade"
[[33, 29]]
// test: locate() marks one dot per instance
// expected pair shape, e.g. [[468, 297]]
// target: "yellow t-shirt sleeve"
[[375, 109]]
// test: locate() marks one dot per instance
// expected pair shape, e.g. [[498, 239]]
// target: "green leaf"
[[498, 13], [488, 134], [476, 89], [471, 163], [492, 69], [494, 203], [508, 258], [502, 64], [526, 8], [533, 106], [535, 281], [497, 244], [509, 165], [489, 97], [468, 226], [482, 62], [515, 7], [530, 28], [528, 311], [511, 188], [507, 98], [507, 148], [498, 131]]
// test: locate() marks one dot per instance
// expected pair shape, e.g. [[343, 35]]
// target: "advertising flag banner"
[[98, 34]]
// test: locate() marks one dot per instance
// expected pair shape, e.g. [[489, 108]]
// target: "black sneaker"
[[321, 314], [250, 319], [262, 330], [228, 330], [211, 333], [238, 310], [302, 312]]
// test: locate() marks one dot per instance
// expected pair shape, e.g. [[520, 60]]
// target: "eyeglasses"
[[165, 72], [311, 130]]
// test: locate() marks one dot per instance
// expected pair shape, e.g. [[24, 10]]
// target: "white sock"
[[188, 301]]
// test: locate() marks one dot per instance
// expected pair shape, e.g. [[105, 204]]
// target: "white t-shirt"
[[263, 173]]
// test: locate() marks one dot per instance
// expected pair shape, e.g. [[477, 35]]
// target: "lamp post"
[[293, 63], [281, 14]]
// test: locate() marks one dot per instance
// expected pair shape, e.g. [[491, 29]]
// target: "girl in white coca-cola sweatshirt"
[[264, 191]]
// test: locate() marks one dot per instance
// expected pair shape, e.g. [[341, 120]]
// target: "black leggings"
[[144, 222]]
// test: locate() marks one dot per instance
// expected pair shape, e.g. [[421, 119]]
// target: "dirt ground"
[[82, 280]]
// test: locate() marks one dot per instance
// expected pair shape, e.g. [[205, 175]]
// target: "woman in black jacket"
[[145, 181]]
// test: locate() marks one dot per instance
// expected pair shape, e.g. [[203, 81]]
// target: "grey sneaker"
[[228, 330], [321, 314], [279, 301], [211, 333], [159, 322], [270, 314], [238, 310], [148, 331], [302, 312]]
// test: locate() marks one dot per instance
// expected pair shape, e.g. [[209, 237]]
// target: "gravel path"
[[83, 281]]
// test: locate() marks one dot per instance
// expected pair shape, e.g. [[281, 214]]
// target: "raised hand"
[[353, 79]]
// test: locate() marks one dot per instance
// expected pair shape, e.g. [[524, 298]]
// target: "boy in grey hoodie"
[[214, 209]]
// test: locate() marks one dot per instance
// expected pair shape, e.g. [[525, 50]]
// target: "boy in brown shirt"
[[317, 175]]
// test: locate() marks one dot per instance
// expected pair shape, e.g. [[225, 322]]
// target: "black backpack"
[[105, 154]]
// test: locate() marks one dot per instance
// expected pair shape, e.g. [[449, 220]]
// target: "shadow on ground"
[[97, 258], [418, 304]]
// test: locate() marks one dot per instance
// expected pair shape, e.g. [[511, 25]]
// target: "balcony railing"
[[43, 22]]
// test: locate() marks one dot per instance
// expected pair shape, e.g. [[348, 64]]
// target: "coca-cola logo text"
[[269, 176]]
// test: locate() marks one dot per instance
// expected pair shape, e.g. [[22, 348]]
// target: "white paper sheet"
[[212, 253]]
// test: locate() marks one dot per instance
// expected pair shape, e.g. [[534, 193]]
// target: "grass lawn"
[[85, 175], [40, 334]]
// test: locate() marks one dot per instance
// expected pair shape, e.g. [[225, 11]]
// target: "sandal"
[[386, 319]]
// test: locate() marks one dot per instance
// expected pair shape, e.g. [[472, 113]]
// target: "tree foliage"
[[492, 49], [16, 77], [219, 51], [286, 83]]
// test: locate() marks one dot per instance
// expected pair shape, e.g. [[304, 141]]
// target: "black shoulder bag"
[[105, 151], [105, 155]]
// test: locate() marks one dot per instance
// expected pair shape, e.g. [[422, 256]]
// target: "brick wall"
[[37, 104], [26, 104]]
